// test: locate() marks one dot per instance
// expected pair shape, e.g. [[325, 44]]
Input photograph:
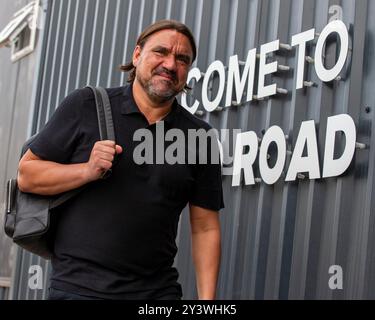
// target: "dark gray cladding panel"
[[16, 91]]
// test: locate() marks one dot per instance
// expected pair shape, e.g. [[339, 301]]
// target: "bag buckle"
[[10, 195]]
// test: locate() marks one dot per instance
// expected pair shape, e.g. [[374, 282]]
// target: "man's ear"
[[136, 55]]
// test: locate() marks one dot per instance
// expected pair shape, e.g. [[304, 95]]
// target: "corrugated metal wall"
[[16, 91], [278, 241]]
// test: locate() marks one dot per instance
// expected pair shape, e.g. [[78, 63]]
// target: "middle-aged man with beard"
[[116, 239]]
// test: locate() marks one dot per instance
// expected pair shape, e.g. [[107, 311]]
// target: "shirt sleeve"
[[59, 137], [207, 191]]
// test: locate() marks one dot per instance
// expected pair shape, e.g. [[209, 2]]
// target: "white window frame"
[[26, 17]]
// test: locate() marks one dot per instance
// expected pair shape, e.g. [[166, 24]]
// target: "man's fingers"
[[104, 149], [102, 156], [105, 165], [105, 156], [105, 152], [108, 143], [108, 146], [118, 149]]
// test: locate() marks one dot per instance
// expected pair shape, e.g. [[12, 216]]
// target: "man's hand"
[[44, 177], [101, 159]]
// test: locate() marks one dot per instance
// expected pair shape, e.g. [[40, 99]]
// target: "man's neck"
[[151, 110]]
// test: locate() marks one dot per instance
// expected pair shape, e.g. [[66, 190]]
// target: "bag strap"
[[106, 131], [65, 197], [104, 111], [105, 120]]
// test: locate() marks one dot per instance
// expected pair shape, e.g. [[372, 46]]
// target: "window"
[[20, 33]]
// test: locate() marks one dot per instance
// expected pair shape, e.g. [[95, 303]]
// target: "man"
[[116, 239]]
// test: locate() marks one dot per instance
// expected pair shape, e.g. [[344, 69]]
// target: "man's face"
[[162, 64]]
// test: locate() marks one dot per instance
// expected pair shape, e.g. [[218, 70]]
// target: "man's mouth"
[[166, 75]]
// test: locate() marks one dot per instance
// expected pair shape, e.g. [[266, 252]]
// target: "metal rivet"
[[309, 84], [281, 67], [301, 176], [309, 59], [360, 145], [282, 90], [286, 46]]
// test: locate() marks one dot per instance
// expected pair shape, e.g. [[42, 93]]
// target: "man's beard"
[[159, 96]]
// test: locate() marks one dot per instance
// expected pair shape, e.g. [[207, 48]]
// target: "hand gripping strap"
[[106, 131]]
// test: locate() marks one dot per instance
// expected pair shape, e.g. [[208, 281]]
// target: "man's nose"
[[170, 62]]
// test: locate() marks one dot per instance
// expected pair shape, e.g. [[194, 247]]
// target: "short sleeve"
[[207, 191], [58, 138]]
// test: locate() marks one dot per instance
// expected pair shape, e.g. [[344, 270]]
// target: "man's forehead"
[[168, 38]]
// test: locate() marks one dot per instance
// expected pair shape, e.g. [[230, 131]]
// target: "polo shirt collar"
[[129, 106]]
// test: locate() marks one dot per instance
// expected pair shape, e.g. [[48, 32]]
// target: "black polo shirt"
[[116, 239]]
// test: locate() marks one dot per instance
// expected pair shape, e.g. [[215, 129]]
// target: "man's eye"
[[183, 60], [159, 51]]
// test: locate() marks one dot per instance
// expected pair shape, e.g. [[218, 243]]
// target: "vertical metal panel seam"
[[183, 11], [272, 112], [93, 34], [154, 10], [169, 9], [114, 38], [250, 43], [100, 64], [80, 55], [43, 96], [357, 264], [74, 34], [140, 17], [54, 66], [39, 71], [62, 62], [215, 21], [237, 198], [198, 26], [126, 39]]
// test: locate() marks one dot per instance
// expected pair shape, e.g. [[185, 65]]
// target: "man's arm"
[[206, 249], [49, 178]]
